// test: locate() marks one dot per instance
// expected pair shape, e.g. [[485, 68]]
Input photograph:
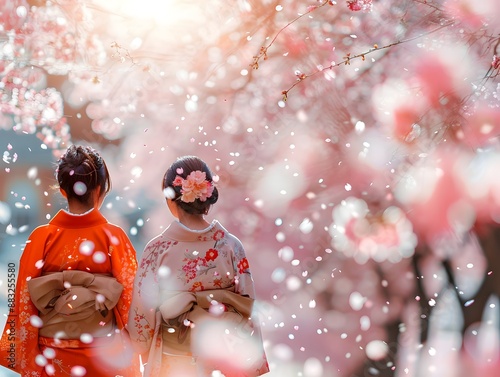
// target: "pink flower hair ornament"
[[194, 186]]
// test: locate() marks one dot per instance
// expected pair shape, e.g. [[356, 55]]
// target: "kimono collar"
[[66, 219], [182, 233]]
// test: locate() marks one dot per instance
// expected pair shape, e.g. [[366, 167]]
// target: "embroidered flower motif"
[[218, 235], [197, 286], [243, 265], [218, 283], [195, 186], [211, 255], [191, 267]]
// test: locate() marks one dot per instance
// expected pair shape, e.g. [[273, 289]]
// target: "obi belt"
[[72, 303], [214, 326]]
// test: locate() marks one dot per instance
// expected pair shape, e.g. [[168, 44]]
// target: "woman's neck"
[[195, 222], [78, 208]]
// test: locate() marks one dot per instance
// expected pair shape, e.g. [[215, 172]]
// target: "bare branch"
[[348, 57], [263, 50]]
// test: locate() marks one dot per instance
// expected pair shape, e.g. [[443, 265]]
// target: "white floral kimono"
[[184, 260]]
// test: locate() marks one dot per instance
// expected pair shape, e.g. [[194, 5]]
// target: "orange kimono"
[[92, 346]]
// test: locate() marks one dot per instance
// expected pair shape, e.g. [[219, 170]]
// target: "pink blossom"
[[496, 62], [434, 195], [11, 16], [405, 117], [177, 181], [435, 77], [472, 13], [482, 127], [358, 233], [357, 5], [195, 186]]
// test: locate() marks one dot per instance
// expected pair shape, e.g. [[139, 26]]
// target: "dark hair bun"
[[80, 171]]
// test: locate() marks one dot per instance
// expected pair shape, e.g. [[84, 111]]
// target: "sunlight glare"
[[159, 10]]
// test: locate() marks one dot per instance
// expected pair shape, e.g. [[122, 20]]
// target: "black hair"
[[182, 168], [80, 170]]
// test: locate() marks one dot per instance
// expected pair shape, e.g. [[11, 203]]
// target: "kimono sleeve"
[[243, 276], [19, 342], [142, 319], [245, 287], [124, 268]]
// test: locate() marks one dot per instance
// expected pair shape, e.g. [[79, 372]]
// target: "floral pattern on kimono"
[[81, 242], [181, 259]]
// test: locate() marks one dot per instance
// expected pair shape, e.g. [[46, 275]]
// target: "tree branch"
[[348, 58]]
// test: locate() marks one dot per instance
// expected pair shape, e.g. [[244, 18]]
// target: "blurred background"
[[356, 144]]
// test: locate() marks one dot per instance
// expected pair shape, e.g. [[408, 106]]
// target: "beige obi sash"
[[182, 311], [72, 303]]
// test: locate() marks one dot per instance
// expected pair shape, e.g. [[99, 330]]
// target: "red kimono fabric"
[[71, 242]]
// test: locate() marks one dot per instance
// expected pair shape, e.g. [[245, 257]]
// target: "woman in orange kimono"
[[74, 285]]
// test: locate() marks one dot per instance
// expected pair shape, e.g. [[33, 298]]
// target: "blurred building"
[[26, 176], [25, 190]]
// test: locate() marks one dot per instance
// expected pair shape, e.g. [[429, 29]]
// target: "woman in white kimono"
[[193, 293]]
